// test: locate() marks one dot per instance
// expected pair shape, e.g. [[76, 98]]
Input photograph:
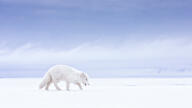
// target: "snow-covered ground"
[[103, 93]]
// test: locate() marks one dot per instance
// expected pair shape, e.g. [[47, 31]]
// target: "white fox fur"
[[63, 73]]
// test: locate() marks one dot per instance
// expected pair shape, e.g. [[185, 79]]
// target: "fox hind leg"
[[48, 84], [67, 86], [56, 86]]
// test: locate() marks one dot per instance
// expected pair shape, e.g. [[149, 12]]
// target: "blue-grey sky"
[[123, 32]]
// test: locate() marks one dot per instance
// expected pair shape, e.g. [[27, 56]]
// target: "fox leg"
[[48, 84], [67, 86], [56, 86], [79, 85]]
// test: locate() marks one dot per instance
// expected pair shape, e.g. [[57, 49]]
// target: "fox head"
[[84, 78]]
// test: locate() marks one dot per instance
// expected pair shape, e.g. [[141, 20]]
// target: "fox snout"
[[86, 84]]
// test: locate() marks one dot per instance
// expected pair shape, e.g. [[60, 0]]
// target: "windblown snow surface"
[[102, 93]]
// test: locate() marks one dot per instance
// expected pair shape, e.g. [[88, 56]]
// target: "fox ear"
[[82, 75]]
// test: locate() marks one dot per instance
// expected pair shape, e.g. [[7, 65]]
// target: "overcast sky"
[[53, 31]]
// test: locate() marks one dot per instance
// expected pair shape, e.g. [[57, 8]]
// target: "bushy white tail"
[[46, 79]]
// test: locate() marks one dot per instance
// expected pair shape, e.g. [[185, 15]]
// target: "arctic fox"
[[64, 73]]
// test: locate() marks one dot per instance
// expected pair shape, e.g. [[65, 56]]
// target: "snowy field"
[[103, 93]]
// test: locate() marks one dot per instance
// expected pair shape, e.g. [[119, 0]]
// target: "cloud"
[[127, 50], [105, 4]]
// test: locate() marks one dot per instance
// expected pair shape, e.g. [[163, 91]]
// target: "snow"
[[102, 93]]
